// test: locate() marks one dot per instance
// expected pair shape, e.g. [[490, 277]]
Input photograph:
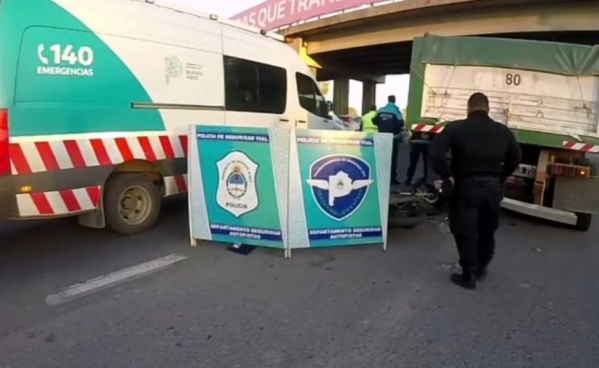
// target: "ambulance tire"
[[131, 203], [583, 222]]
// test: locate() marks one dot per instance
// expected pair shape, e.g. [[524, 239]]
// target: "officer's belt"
[[479, 177]]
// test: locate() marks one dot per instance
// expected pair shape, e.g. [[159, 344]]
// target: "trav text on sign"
[[277, 13]]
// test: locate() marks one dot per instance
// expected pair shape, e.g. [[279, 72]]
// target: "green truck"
[[547, 93]]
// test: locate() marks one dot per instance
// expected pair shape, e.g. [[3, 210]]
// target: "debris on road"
[[242, 249]]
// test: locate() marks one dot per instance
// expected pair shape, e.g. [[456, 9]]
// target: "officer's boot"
[[481, 272], [467, 279], [483, 266], [486, 250]]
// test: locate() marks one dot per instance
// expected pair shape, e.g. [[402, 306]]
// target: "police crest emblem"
[[237, 193]]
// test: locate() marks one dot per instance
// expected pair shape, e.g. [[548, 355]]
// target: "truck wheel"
[[584, 221], [131, 203]]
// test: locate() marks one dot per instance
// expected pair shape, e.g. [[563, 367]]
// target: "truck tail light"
[[572, 171], [4, 145]]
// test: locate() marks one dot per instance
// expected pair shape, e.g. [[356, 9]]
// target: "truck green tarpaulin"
[[551, 57], [571, 60]]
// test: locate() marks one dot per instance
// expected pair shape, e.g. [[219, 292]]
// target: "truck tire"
[[131, 203], [583, 222]]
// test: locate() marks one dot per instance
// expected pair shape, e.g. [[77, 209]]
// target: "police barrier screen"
[[287, 188], [339, 188], [235, 194]]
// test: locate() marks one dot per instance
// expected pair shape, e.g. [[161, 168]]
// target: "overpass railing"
[[276, 15]]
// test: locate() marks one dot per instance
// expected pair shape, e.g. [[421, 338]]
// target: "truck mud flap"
[[8, 199]]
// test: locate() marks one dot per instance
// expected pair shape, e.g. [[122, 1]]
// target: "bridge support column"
[[368, 95], [341, 96]]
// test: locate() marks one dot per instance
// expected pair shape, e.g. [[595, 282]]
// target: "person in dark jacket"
[[419, 142], [484, 154], [390, 120]]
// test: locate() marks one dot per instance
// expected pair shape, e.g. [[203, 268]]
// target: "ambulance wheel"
[[131, 203], [583, 222]]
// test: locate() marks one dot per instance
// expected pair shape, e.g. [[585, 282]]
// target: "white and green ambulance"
[[96, 98], [547, 93]]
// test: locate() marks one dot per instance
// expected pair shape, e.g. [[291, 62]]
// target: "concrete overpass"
[[370, 43]]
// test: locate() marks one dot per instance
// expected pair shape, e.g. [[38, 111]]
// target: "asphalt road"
[[354, 307]]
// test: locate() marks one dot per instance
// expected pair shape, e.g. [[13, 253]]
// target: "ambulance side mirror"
[[330, 106]]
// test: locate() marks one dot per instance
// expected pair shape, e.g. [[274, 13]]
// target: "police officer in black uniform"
[[484, 154]]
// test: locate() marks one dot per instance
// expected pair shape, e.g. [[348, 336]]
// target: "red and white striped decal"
[[175, 185], [62, 202], [34, 157], [578, 146], [428, 128]]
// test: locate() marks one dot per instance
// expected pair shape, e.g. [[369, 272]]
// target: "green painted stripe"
[[45, 104]]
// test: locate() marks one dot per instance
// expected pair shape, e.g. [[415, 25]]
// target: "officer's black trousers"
[[394, 154], [474, 218], [417, 150]]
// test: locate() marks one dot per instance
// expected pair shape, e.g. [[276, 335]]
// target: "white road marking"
[[112, 279]]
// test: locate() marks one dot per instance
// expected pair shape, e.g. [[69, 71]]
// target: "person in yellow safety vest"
[[368, 125]]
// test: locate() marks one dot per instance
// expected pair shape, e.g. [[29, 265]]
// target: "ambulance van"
[[96, 99]]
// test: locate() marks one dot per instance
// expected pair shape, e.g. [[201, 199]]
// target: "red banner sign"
[[273, 14]]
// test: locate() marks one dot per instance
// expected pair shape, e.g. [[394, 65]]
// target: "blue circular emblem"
[[339, 184]]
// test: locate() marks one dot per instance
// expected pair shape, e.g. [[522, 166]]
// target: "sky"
[[395, 85]]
